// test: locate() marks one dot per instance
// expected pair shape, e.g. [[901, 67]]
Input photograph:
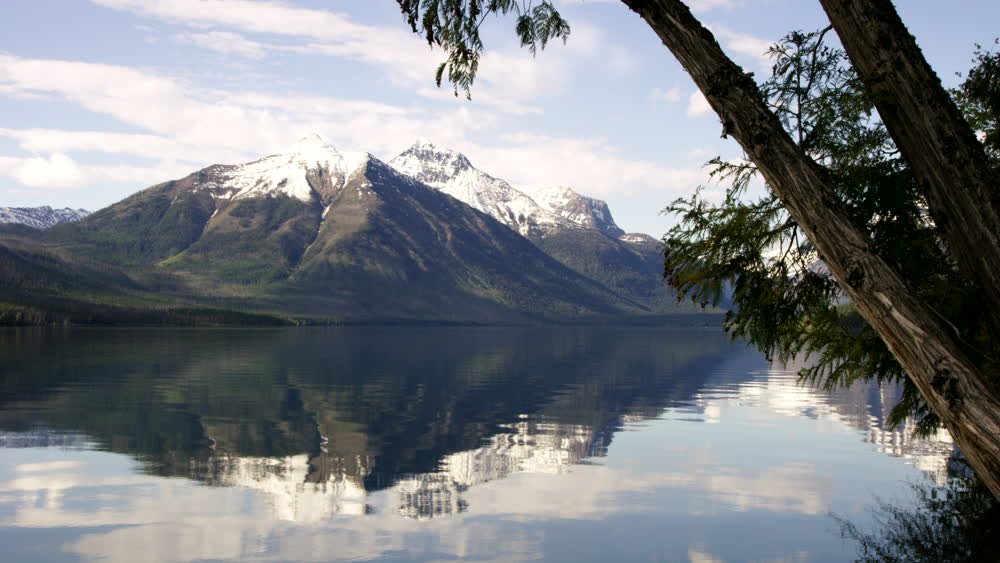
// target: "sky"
[[102, 98]]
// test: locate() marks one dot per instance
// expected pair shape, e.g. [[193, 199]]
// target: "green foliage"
[[784, 299], [454, 26], [979, 97], [636, 275], [254, 241], [145, 228], [957, 522]]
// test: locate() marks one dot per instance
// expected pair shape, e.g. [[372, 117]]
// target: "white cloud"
[[508, 81], [146, 146], [589, 165], [671, 96], [186, 128], [56, 171], [707, 5], [404, 57], [190, 128], [212, 126], [265, 17], [744, 44], [152, 102], [702, 153], [197, 128], [315, 106], [697, 105], [225, 42]]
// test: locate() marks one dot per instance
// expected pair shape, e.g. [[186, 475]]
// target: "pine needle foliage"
[[979, 96], [784, 299], [453, 25]]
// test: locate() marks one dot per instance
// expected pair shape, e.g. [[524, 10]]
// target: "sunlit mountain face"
[[364, 442]]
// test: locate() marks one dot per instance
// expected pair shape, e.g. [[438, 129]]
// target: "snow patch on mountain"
[[579, 209], [637, 238], [452, 173], [41, 217], [529, 210], [294, 172]]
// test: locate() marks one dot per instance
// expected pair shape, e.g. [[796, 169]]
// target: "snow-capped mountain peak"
[[528, 210], [309, 168], [432, 165], [451, 172], [577, 208], [40, 217]]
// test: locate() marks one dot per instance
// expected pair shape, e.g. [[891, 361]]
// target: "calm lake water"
[[474, 444]]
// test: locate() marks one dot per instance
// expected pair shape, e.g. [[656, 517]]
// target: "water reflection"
[[431, 443], [863, 406], [348, 411]]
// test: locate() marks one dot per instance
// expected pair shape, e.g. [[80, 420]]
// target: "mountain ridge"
[[315, 233], [577, 230], [42, 217]]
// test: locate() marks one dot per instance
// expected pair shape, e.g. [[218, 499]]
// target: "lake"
[[433, 444]]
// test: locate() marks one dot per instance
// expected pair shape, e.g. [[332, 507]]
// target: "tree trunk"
[[949, 163], [951, 384]]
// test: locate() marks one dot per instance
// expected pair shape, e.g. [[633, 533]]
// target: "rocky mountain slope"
[[40, 217], [451, 172], [577, 230], [315, 232]]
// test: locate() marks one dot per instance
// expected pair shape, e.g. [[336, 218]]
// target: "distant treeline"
[[104, 315]]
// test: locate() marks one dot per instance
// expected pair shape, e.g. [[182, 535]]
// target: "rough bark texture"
[[953, 386], [948, 161]]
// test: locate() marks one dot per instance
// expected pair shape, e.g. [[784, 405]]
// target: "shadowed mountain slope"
[[312, 232], [576, 230]]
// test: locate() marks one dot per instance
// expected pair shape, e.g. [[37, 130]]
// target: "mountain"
[[577, 209], [451, 172], [576, 230], [315, 233], [40, 217]]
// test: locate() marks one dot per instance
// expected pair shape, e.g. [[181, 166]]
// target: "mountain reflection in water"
[[420, 424]]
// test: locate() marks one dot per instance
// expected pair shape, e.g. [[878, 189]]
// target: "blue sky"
[[101, 98]]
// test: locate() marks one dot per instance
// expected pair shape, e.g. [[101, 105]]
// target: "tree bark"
[[952, 385], [947, 160]]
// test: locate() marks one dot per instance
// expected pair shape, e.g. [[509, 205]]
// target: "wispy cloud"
[[505, 80], [187, 128], [697, 105], [156, 147], [708, 5], [744, 44], [508, 81], [590, 165], [225, 42], [671, 96], [190, 117], [59, 171]]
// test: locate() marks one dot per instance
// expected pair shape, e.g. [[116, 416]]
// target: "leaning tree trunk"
[[949, 163], [951, 384]]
